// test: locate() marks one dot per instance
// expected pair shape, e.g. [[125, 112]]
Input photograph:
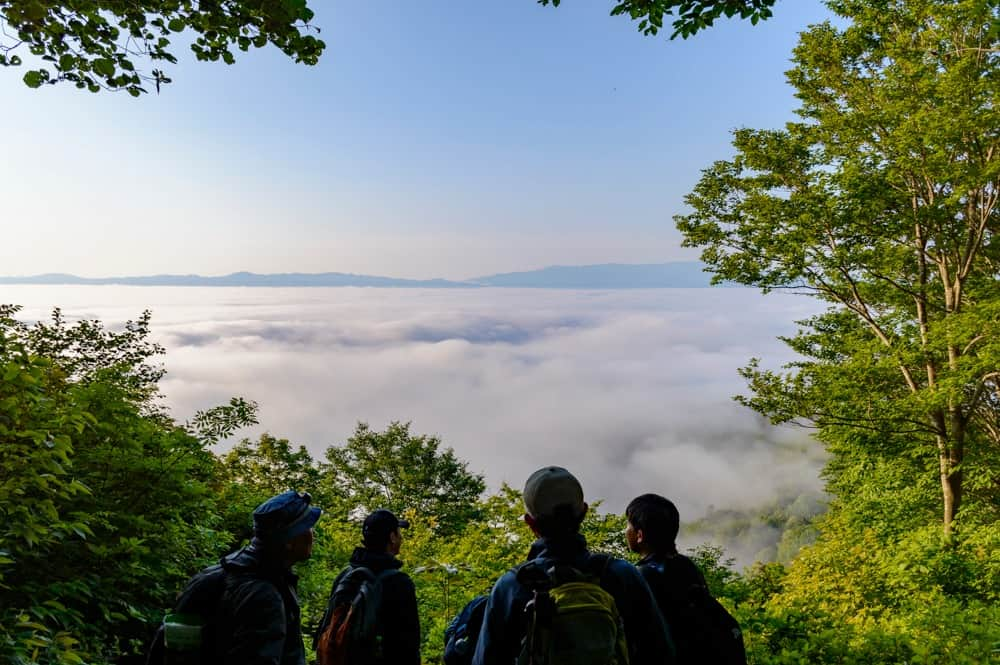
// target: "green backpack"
[[571, 620]]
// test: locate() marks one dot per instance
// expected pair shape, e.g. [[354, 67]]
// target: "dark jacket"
[[504, 624], [258, 619], [398, 620], [680, 589]]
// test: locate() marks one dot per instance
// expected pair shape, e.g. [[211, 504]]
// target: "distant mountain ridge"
[[680, 274]]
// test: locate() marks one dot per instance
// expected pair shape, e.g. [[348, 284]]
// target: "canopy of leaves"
[[98, 44], [106, 504], [104, 44], [400, 471], [255, 470], [692, 15]]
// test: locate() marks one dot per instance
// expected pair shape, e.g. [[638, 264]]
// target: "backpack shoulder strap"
[[363, 571], [533, 574], [388, 572], [597, 565], [653, 564]]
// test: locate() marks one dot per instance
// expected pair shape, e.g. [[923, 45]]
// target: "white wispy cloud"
[[630, 389]]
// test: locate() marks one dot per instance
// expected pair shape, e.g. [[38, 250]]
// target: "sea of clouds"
[[631, 390]]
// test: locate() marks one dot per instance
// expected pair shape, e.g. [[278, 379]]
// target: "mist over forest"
[[634, 389]]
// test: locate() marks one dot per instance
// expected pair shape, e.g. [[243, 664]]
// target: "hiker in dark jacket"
[[398, 621], [258, 617], [702, 630], [553, 499]]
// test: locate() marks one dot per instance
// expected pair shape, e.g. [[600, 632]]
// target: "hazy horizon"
[[334, 270], [676, 274]]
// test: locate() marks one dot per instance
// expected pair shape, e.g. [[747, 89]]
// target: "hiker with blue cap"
[[260, 606], [244, 610]]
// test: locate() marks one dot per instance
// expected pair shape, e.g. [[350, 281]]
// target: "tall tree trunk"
[[950, 456], [947, 487]]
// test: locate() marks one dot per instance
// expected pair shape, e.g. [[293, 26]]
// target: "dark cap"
[[379, 525], [551, 487], [282, 517]]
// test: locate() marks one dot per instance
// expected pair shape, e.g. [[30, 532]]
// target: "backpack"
[[722, 641], [570, 619], [185, 637], [703, 630], [462, 633], [349, 632]]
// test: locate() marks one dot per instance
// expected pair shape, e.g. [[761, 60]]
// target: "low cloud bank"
[[630, 390]]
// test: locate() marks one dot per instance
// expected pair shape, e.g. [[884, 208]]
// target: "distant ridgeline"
[[681, 274]]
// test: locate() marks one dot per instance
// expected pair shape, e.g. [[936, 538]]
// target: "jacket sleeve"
[[258, 627], [645, 629], [401, 644]]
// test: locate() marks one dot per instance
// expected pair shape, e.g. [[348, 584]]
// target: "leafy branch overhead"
[[96, 44], [100, 44], [691, 15]]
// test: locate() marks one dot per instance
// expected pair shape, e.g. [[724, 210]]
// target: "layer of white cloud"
[[630, 390]]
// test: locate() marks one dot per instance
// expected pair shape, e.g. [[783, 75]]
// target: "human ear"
[[532, 523]]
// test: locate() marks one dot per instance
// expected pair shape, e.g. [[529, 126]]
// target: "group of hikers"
[[564, 604]]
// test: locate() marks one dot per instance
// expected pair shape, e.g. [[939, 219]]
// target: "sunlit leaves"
[[105, 503], [880, 202], [103, 45], [691, 15], [397, 470]]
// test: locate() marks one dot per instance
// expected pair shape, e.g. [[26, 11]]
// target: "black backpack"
[[349, 631], [197, 603], [702, 629], [462, 633]]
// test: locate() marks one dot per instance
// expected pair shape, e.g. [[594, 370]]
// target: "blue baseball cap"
[[282, 517]]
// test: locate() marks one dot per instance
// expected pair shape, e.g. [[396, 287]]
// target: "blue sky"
[[438, 138]]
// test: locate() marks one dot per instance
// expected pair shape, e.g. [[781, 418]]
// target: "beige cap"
[[549, 487]]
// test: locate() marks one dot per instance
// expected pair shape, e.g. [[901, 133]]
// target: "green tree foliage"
[[98, 44], [882, 202], [853, 598], [692, 15], [255, 470], [36, 488], [107, 504], [400, 471]]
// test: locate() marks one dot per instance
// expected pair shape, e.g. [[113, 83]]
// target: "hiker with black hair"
[[244, 610], [371, 617], [703, 630], [565, 604]]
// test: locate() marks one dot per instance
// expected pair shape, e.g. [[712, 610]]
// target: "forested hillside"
[[109, 505]]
